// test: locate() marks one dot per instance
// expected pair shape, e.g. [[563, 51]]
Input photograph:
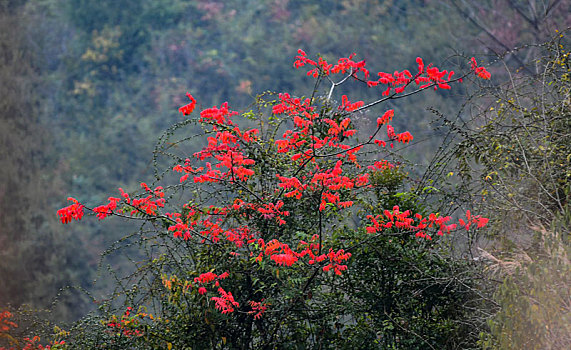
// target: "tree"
[[280, 228]]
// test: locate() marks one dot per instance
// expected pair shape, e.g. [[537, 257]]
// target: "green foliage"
[[534, 308], [522, 146], [523, 153], [403, 296]]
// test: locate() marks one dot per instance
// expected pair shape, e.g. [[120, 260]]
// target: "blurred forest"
[[88, 86]]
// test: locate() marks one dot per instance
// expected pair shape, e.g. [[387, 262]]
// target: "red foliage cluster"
[[187, 109], [74, 211], [480, 71], [5, 323]]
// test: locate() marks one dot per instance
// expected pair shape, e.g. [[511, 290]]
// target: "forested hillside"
[[90, 88]]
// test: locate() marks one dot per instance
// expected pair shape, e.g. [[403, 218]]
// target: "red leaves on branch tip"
[[284, 259], [346, 105], [404, 137], [336, 258], [420, 65], [381, 165], [343, 66], [386, 118], [225, 303], [292, 106], [391, 132], [473, 220], [219, 115], [481, 72], [258, 308], [103, 211], [404, 220], [73, 211], [187, 109], [149, 204], [206, 277]]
